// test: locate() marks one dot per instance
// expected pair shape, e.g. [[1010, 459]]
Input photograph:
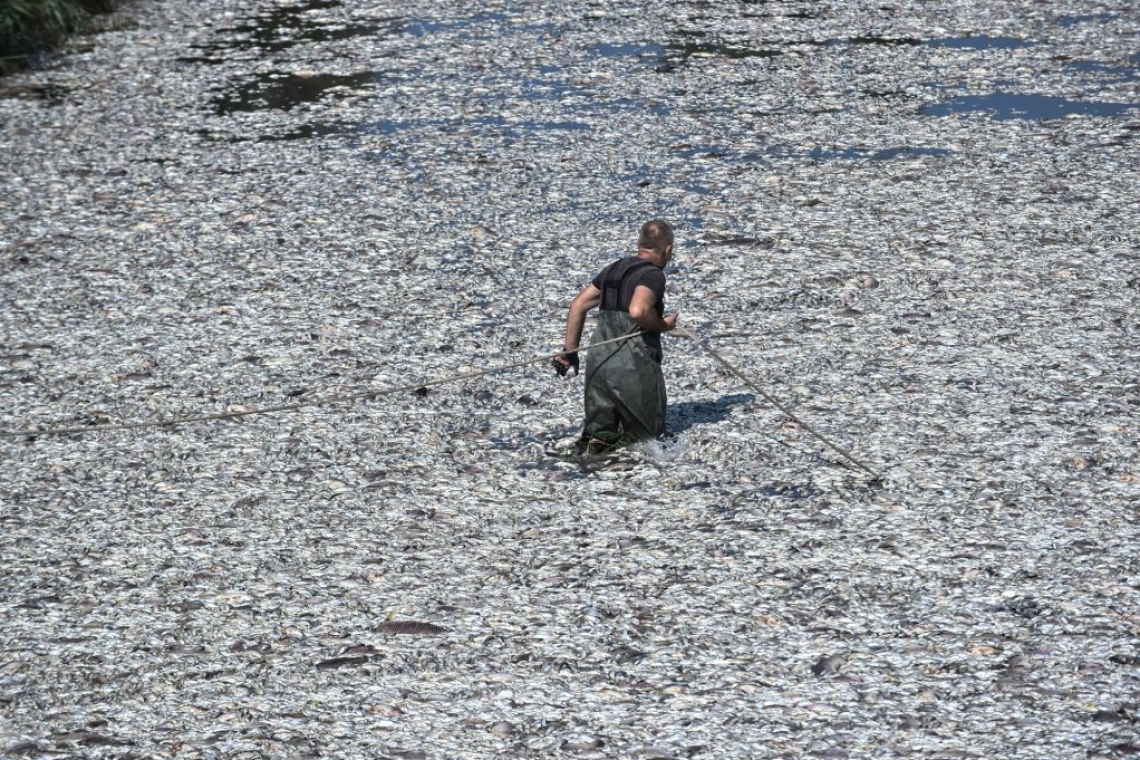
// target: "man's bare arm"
[[576, 319], [642, 312]]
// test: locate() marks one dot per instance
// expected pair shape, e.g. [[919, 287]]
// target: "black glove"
[[569, 356]]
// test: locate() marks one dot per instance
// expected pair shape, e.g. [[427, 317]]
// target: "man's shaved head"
[[655, 235]]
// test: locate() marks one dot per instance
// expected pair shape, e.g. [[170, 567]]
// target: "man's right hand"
[[564, 362], [670, 322]]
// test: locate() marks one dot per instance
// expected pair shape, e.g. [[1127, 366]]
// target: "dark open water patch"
[[309, 131], [689, 45], [866, 154], [1006, 106], [493, 125], [281, 91], [627, 50], [847, 154], [694, 44], [284, 27], [52, 93], [980, 42], [700, 44], [290, 25], [423, 27], [1101, 18], [1105, 71], [502, 126], [882, 41]]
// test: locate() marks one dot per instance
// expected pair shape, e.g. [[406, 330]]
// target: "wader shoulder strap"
[[612, 279]]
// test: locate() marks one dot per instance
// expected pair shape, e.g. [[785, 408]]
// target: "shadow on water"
[[681, 417]]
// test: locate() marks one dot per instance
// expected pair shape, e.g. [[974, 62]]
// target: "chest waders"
[[625, 387]]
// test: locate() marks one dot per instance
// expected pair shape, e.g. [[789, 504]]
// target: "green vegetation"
[[29, 26]]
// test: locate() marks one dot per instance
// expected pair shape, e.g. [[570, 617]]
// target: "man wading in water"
[[625, 388]]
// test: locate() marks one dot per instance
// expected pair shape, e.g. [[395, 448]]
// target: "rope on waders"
[[348, 398], [683, 333]]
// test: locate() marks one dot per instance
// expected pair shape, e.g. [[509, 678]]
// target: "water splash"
[[663, 449]]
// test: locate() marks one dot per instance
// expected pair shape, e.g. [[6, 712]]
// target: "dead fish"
[[24, 748], [341, 662], [828, 665], [1108, 716], [584, 744], [832, 752], [91, 739], [626, 654], [407, 754], [743, 240], [409, 628]]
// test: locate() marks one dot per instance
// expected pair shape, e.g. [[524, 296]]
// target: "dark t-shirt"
[[649, 276]]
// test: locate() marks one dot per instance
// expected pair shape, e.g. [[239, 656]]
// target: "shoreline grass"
[[28, 27]]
